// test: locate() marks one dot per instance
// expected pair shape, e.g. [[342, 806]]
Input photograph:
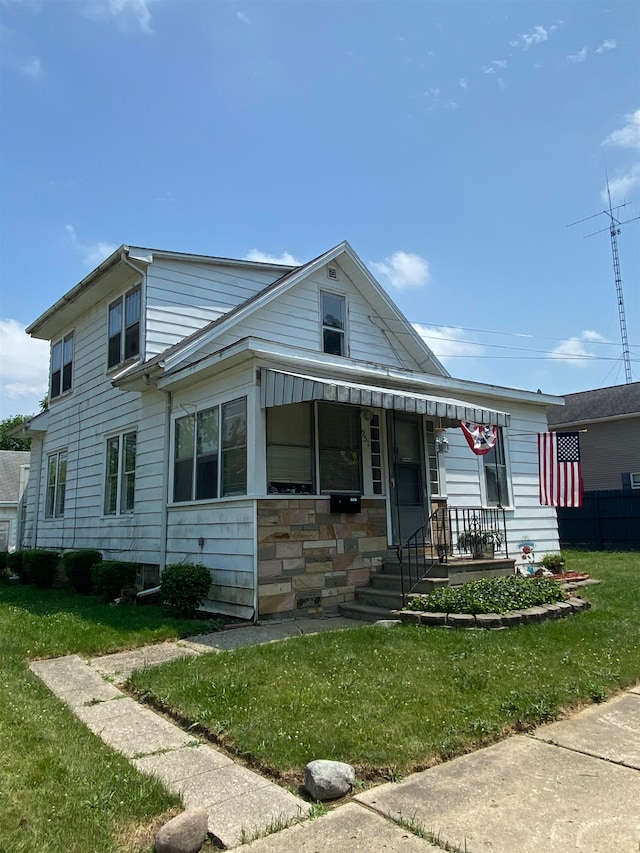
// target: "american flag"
[[560, 471]]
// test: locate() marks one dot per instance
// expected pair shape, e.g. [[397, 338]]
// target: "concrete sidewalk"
[[570, 786]]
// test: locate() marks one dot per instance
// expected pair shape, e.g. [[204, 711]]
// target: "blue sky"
[[451, 143]]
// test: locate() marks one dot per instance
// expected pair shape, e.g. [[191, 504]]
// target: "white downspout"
[[164, 515]]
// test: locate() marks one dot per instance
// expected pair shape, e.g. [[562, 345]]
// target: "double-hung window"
[[56, 484], [61, 366], [120, 474], [496, 474], [124, 327], [333, 310], [210, 453]]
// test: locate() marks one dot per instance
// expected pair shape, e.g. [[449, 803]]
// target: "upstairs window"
[[124, 328], [56, 484], [210, 453], [120, 475], [333, 310], [61, 366]]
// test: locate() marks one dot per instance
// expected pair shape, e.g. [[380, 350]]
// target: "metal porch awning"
[[279, 388]]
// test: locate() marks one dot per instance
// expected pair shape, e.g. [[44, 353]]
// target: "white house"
[[14, 475], [233, 413]]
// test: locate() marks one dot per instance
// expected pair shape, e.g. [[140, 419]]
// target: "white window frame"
[[332, 294], [224, 450], [116, 494], [121, 303], [62, 366], [634, 480], [56, 484], [487, 463]]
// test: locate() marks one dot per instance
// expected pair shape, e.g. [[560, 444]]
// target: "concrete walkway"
[[570, 786]]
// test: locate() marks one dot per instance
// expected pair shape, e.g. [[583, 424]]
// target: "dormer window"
[[124, 328], [61, 366], [333, 309]]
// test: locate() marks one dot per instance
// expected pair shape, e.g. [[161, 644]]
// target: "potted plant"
[[480, 542]]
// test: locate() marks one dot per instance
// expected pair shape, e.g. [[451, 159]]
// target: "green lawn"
[[392, 701], [61, 789]]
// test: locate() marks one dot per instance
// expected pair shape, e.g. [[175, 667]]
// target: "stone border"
[[495, 620]]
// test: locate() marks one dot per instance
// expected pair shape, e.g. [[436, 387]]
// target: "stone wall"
[[309, 559]]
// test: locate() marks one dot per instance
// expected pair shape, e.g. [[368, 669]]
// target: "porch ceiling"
[[278, 388]]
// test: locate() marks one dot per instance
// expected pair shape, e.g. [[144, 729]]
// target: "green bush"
[[4, 571], [15, 566], [490, 595], [185, 586], [41, 567], [110, 577], [77, 567]]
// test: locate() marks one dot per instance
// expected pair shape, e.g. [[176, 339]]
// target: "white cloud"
[[286, 258], [627, 136], [32, 67], [463, 83], [579, 57], [536, 36], [574, 352], [433, 92], [93, 253], [488, 69], [24, 370], [122, 11], [403, 270], [607, 44], [623, 185], [499, 63], [448, 342], [242, 16]]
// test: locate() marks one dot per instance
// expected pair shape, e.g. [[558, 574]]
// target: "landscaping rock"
[[461, 620], [387, 623], [512, 618], [409, 616], [328, 780], [534, 614], [578, 604], [434, 618], [565, 607], [554, 611], [489, 620], [185, 833]]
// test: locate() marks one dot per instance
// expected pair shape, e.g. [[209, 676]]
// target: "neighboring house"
[[14, 474], [232, 413], [609, 421]]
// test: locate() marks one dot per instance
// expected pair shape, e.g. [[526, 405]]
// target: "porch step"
[[364, 612], [463, 571], [387, 599]]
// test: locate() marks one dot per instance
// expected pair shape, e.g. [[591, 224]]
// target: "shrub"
[[553, 562], [16, 567], [77, 567], [41, 567], [111, 576], [185, 586], [490, 595], [4, 571]]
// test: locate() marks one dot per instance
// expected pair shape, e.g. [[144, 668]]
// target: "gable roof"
[[179, 354], [597, 405], [11, 461]]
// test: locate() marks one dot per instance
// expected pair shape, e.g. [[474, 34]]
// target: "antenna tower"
[[614, 229]]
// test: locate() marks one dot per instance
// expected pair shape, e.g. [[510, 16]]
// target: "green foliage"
[[490, 595], [77, 567], [40, 567], [15, 566], [9, 442], [4, 571], [110, 577], [185, 586], [553, 562]]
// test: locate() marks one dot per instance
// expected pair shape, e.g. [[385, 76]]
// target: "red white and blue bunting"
[[481, 438]]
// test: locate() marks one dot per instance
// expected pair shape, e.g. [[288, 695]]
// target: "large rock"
[[185, 833], [328, 780]]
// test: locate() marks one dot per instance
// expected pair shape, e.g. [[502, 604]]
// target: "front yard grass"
[[61, 788], [391, 701]]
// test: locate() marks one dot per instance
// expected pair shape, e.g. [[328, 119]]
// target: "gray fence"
[[607, 520]]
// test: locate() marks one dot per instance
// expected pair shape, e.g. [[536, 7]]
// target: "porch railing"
[[463, 532]]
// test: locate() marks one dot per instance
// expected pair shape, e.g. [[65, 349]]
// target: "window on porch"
[[496, 474]]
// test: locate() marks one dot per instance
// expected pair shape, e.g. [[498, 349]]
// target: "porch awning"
[[278, 388]]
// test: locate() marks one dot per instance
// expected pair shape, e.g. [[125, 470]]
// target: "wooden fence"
[[608, 520]]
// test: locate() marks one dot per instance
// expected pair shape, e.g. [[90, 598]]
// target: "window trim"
[[120, 476], [64, 371], [502, 445], [123, 328], [54, 505], [333, 294], [634, 480]]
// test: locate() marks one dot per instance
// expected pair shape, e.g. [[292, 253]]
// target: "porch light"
[[442, 444]]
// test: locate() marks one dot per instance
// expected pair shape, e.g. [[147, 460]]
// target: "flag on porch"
[[480, 437], [559, 468]]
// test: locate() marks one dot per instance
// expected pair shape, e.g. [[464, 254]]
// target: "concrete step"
[[388, 599], [364, 612]]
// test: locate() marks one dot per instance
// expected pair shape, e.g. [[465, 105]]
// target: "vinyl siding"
[[610, 449]]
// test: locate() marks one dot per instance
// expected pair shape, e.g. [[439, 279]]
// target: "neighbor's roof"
[[10, 463], [600, 404]]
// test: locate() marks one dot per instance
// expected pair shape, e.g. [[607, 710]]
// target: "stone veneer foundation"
[[309, 559]]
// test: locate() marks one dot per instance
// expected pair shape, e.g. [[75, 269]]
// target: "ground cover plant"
[[62, 788], [490, 595], [394, 700]]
